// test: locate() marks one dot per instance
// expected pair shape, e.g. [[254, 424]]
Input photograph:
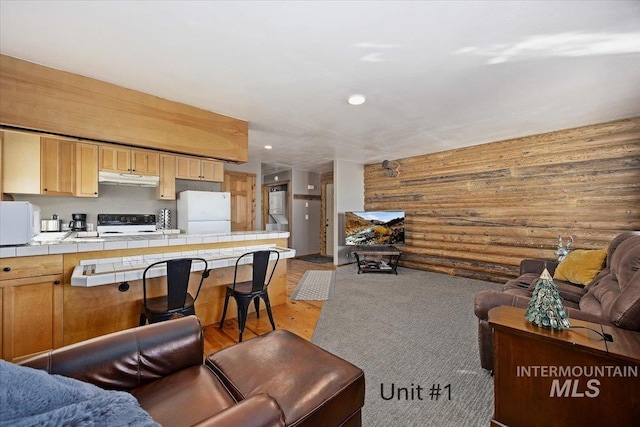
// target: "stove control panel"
[[126, 219]]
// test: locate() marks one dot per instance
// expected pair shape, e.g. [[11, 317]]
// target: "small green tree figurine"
[[545, 308]]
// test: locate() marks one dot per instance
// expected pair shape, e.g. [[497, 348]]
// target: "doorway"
[[241, 185]]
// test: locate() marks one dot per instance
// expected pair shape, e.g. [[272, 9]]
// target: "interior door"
[[329, 225], [242, 186]]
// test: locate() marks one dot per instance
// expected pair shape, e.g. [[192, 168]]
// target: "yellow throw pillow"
[[581, 266]]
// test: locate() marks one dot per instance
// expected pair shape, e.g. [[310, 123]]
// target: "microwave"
[[19, 223]]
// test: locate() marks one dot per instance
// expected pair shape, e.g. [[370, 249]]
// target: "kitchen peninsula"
[[45, 305]]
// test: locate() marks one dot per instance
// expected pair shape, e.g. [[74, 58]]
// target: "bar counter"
[[97, 304]]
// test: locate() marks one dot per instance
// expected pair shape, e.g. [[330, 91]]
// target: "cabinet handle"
[[95, 192], [57, 282], [45, 189], [7, 269]]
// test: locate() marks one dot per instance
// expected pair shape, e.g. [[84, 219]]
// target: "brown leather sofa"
[[612, 298], [277, 379]]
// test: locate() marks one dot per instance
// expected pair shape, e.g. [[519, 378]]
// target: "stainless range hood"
[[114, 178]]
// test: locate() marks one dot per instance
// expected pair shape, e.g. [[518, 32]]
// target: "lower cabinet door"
[[31, 315]]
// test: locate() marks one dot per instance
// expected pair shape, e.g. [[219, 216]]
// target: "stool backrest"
[[178, 274], [260, 275]]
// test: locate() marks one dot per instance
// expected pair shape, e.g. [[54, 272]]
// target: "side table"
[[563, 378]]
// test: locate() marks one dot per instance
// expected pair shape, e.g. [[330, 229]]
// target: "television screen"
[[374, 228]]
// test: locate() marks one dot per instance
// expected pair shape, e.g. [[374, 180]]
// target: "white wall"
[[348, 181]]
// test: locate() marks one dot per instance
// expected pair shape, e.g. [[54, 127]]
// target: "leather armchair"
[[612, 298], [162, 366]]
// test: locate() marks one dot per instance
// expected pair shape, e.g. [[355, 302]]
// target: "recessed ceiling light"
[[268, 147], [356, 99]]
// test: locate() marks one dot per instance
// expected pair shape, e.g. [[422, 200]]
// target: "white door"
[[329, 221]]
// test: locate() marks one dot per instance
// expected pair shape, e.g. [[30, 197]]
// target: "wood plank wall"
[[477, 211], [40, 98]]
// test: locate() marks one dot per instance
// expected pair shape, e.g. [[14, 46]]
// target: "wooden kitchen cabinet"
[[57, 162], [199, 169], [32, 302], [114, 159], [212, 171], [86, 170], [145, 162], [125, 160], [167, 185], [21, 163]]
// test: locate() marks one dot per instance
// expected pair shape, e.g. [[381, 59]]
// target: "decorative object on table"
[[315, 285], [164, 219], [545, 307], [562, 251]]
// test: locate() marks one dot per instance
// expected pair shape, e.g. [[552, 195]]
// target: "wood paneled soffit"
[[44, 99]]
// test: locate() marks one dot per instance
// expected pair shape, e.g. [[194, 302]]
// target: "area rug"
[[315, 285], [415, 337], [316, 258]]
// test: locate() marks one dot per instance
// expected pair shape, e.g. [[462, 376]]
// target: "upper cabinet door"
[[57, 167], [145, 162], [198, 169], [86, 170], [212, 171], [167, 186], [21, 163], [115, 159], [188, 168]]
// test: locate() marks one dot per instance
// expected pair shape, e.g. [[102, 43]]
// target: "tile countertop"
[[74, 244], [105, 271]]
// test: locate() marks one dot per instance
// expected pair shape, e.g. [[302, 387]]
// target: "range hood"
[[114, 178]]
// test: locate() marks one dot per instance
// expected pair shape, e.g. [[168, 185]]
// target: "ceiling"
[[436, 75]]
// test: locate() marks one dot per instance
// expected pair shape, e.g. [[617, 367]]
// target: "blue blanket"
[[31, 397]]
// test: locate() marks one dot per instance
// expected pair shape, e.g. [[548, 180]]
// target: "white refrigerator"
[[204, 212]]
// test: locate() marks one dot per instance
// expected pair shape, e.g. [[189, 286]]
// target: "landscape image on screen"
[[374, 228]]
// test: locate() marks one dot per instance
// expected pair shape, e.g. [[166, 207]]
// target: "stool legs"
[[265, 296], [243, 308], [224, 310], [256, 303]]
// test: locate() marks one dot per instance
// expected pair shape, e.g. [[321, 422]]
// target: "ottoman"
[[312, 386]]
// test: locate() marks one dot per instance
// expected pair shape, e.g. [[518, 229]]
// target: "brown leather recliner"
[[612, 298], [162, 365]]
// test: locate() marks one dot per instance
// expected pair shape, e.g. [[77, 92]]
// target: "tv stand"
[[369, 259]]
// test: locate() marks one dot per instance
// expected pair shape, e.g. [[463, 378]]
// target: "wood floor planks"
[[299, 317]]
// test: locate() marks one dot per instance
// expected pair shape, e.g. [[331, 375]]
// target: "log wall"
[[477, 211]]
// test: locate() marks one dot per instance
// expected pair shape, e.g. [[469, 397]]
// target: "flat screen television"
[[374, 228]]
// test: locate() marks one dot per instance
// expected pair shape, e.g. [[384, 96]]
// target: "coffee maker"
[[78, 222]]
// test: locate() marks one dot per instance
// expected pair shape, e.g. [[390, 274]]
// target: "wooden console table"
[[374, 264], [563, 378]]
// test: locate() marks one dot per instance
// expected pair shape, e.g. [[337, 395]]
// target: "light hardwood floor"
[[299, 317]]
